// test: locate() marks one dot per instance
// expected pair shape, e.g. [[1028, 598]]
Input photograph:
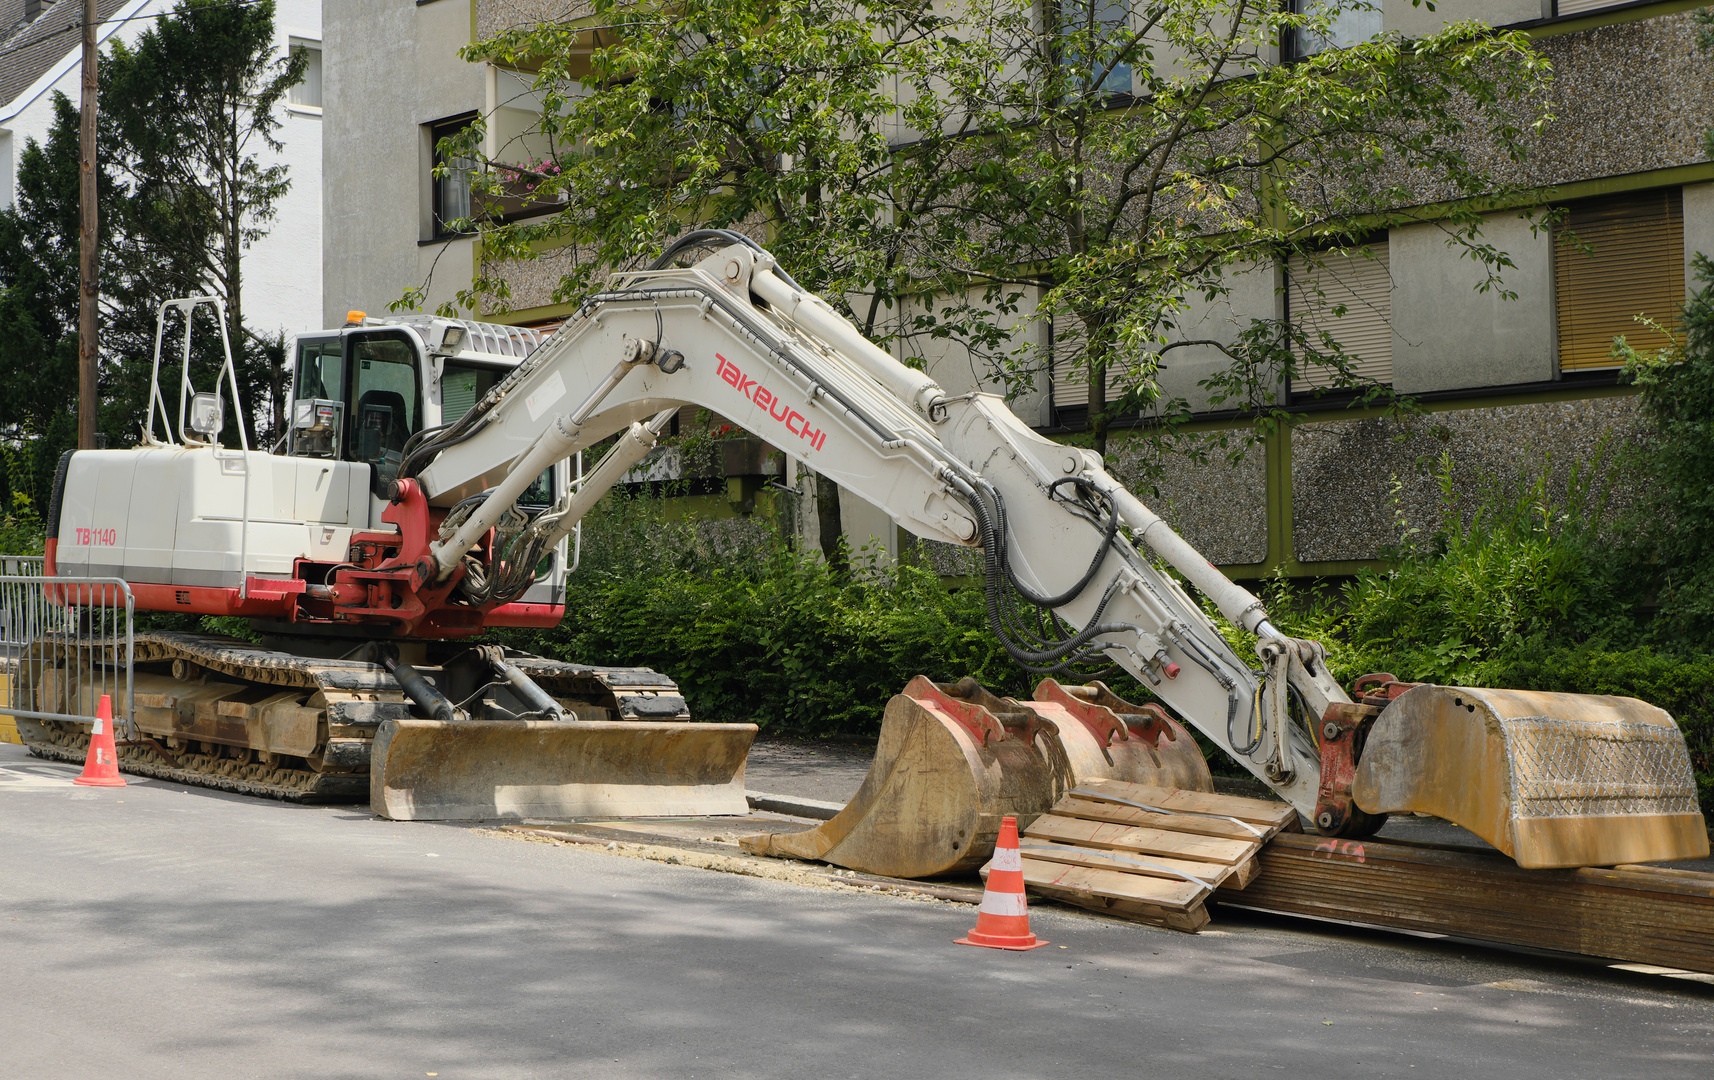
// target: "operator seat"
[[385, 411]]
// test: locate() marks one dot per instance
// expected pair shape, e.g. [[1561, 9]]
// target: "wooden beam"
[[1637, 913]]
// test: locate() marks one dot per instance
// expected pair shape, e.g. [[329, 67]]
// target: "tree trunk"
[[827, 516]]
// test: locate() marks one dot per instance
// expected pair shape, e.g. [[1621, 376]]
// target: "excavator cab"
[[359, 397]]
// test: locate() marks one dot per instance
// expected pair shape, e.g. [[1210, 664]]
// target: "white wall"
[[282, 273], [282, 287], [390, 68]]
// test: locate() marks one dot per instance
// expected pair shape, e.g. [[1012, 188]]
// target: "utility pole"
[[87, 242]]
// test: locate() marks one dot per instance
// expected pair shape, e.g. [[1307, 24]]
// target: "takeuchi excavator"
[[423, 496]]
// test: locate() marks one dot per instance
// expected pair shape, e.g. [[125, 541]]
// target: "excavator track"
[[235, 716]]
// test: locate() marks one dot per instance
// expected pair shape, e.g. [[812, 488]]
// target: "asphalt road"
[[158, 931]]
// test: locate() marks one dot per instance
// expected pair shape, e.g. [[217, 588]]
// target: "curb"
[[793, 805]]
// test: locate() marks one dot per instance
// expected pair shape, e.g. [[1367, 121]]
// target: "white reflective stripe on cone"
[[1003, 903], [1006, 859]]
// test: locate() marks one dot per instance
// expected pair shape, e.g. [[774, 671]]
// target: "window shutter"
[[1364, 288], [1636, 268], [1070, 371], [1578, 7]]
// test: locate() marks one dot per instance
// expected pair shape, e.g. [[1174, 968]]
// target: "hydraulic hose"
[[699, 237]]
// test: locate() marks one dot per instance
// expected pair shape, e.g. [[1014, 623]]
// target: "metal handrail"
[[79, 613]]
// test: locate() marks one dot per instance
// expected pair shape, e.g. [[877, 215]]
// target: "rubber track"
[[54, 752], [256, 664]]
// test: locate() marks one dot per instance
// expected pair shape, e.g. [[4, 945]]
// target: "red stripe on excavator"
[[276, 598]]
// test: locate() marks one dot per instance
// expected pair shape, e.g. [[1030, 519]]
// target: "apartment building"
[[41, 52], [1506, 384]]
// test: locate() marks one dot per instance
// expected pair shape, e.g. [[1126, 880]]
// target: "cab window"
[[386, 402], [462, 386], [321, 370]]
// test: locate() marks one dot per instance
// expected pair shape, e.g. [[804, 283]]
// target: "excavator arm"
[[1566, 785], [734, 335]]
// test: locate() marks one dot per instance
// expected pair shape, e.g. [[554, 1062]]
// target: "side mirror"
[[207, 416]]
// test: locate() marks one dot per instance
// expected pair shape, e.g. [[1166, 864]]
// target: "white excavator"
[[422, 496]]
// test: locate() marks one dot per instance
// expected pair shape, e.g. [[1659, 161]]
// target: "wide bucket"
[[947, 771], [954, 760], [428, 770], [1553, 780], [1107, 738]]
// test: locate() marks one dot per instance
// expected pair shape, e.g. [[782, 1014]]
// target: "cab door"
[[384, 398]]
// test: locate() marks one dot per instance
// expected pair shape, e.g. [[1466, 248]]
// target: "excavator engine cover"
[[431, 770], [1553, 780], [953, 760]]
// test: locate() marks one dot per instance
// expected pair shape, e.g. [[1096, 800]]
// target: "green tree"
[[39, 307], [1137, 154], [922, 166], [192, 108], [1677, 523]]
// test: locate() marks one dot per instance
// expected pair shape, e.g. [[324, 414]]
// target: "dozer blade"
[[1107, 738], [429, 770], [954, 760], [1553, 780]]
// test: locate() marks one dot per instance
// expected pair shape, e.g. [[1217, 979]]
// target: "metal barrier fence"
[[65, 642]]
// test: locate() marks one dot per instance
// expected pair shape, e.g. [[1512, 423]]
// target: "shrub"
[[754, 631], [1677, 385]]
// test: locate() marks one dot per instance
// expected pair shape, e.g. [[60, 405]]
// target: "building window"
[[451, 187], [306, 95], [1348, 298], [1103, 27], [1614, 259], [1348, 28]]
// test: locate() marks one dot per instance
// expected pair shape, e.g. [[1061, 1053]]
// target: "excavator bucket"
[[1108, 738], [431, 770], [1553, 780], [954, 760]]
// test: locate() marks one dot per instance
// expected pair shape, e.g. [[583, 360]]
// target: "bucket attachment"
[[1108, 738], [954, 761], [432, 770], [1553, 780]]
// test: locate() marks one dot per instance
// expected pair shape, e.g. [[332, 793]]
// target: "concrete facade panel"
[[1698, 229], [389, 70], [1009, 371], [1400, 17], [1255, 294], [1219, 506], [1446, 334], [1353, 480], [1625, 98]]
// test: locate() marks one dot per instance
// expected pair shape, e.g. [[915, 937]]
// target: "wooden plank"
[[1126, 863], [1092, 810], [1150, 841], [1267, 812], [1639, 914], [1190, 920], [1161, 892]]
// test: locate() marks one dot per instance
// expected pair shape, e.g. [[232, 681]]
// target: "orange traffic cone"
[[1002, 922], [101, 769]]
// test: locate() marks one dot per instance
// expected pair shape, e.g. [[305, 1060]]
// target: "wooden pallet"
[[1643, 914], [1153, 855]]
